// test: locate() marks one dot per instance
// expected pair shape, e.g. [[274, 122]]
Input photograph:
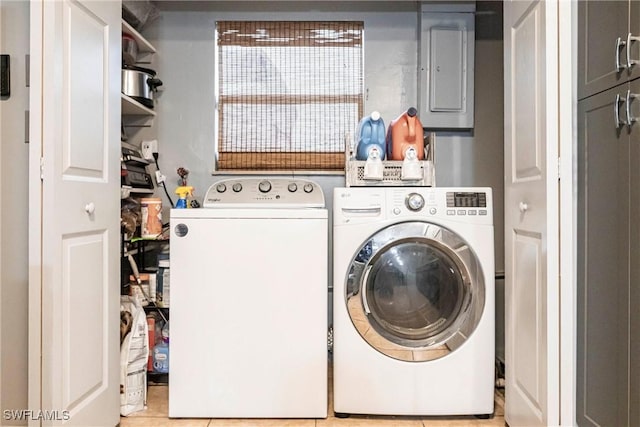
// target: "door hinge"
[[26, 126], [41, 168], [27, 70], [5, 76]]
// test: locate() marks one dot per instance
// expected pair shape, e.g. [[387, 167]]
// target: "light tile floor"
[[158, 405]]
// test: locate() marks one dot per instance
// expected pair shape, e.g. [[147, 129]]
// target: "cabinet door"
[[634, 261], [603, 262], [600, 24], [446, 70], [634, 47], [74, 185]]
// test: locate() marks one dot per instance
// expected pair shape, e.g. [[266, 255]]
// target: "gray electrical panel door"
[[446, 70]]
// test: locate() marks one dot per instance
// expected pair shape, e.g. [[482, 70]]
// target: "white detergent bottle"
[[161, 352]]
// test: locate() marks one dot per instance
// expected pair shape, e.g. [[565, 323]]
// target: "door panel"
[[634, 48], [85, 80], [75, 277], [86, 345], [603, 263], [527, 123], [531, 214], [528, 290], [600, 23], [448, 78], [634, 260], [447, 69]]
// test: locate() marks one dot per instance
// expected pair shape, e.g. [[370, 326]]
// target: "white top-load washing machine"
[[413, 301], [248, 320]]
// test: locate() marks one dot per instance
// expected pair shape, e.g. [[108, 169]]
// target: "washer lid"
[[415, 291], [267, 193]]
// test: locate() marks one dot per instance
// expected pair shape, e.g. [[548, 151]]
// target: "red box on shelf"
[[151, 322]]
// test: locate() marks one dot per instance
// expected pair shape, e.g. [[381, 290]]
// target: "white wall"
[[14, 40]]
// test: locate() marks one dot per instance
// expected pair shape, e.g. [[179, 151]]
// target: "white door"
[[74, 208], [531, 213]]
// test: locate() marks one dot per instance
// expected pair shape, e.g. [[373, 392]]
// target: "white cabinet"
[[134, 114], [446, 66], [145, 49]]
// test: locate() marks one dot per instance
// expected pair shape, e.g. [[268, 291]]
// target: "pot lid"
[[141, 69]]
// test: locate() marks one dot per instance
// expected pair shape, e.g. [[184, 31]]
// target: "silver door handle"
[[619, 44], [372, 210], [90, 208], [630, 38], [630, 97], [616, 111]]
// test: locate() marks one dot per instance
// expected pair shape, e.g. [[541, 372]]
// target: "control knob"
[[264, 186], [292, 187], [414, 202], [308, 188], [221, 188], [237, 187]]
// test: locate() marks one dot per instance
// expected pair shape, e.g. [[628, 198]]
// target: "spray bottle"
[[183, 192]]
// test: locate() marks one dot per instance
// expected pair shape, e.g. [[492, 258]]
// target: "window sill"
[[278, 172]]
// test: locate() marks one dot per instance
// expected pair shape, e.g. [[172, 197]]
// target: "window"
[[289, 93]]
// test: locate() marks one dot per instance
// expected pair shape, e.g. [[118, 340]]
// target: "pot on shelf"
[[129, 49], [140, 84]]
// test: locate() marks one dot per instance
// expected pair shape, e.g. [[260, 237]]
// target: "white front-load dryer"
[[413, 301]]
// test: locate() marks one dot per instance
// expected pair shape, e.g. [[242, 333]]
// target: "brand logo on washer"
[[181, 230]]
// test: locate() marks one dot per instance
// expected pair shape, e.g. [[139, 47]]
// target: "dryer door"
[[415, 291]]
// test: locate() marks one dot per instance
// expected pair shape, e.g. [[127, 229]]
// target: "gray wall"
[[14, 40], [477, 158], [184, 37], [185, 42]]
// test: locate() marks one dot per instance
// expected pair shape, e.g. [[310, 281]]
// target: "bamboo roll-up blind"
[[289, 93]]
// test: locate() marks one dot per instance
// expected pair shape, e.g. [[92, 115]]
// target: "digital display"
[[466, 200]]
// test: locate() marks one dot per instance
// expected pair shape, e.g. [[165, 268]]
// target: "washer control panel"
[[365, 204], [414, 202], [264, 193]]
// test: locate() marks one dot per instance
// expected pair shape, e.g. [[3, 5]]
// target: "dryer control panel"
[[264, 193]]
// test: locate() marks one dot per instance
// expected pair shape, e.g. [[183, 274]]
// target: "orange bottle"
[[405, 132]]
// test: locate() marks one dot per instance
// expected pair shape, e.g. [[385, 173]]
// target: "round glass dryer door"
[[415, 291]]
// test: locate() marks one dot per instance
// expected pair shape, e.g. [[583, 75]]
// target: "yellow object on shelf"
[[183, 192]]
